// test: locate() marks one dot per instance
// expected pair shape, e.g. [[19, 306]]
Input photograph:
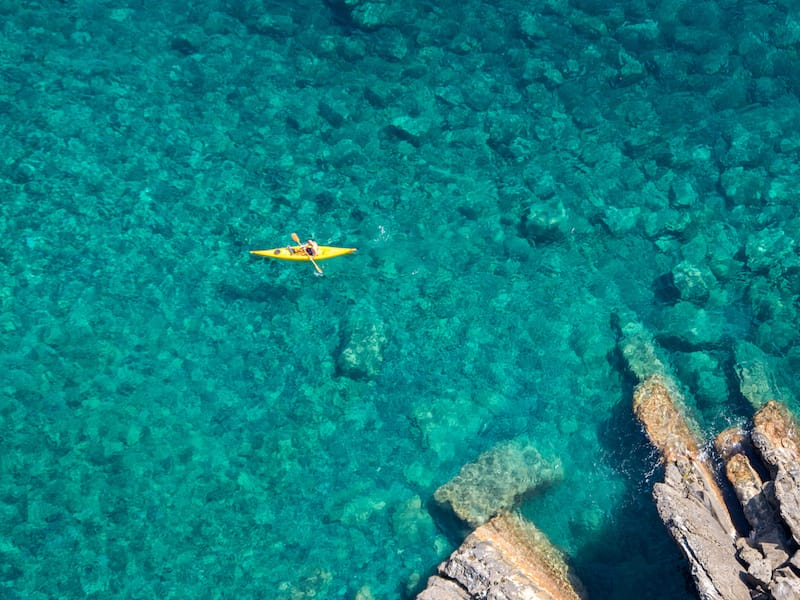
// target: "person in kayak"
[[311, 248]]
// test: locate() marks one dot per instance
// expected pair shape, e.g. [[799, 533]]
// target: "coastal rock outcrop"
[[760, 557], [767, 548], [505, 557], [508, 558], [689, 501], [775, 436]]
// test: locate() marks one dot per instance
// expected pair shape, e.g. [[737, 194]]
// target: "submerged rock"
[[756, 381], [496, 481], [704, 372], [545, 223], [363, 341], [640, 352], [692, 282], [686, 325], [508, 558]]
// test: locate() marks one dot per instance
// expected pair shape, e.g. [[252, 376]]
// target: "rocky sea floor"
[[181, 419]]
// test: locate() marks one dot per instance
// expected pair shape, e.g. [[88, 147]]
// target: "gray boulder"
[[505, 559]]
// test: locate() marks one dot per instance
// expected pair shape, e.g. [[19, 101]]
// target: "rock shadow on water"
[[264, 286], [631, 533], [261, 292], [620, 562]]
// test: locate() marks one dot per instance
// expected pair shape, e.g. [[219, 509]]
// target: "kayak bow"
[[298, 255]]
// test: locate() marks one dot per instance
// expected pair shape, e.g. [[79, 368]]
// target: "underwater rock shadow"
[[610, 566], [260, 292], [632, 532]]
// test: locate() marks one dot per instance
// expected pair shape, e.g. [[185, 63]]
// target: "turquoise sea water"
[[179, 419]]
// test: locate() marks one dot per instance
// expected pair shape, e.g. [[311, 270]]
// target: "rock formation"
[[689, 501], [759, 560], [767, 548], [505, 559]]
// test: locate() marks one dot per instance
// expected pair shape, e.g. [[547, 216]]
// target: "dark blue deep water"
[[181, 419]]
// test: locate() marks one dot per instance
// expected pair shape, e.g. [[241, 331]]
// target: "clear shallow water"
[[176, 416]]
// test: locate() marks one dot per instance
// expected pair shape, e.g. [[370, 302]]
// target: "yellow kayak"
[[296, 253]]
